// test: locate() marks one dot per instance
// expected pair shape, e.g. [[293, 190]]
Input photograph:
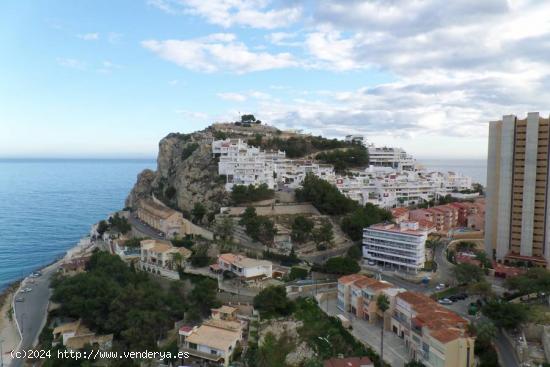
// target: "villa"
[[245, 267]]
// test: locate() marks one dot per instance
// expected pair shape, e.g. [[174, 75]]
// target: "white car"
[[28, 289], [445, 301], [440, 287], [371, 263]]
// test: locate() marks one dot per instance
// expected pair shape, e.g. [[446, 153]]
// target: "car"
[[462, 296], [371, 263], [445, 301], [20, 299], [440, 286], [28, 289], [454, 298]]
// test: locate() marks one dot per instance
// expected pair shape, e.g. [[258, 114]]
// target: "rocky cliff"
[[186, 174]]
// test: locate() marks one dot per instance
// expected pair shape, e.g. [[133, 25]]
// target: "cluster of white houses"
[[390, 181]]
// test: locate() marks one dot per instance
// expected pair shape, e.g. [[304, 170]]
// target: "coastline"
[[10, 332]]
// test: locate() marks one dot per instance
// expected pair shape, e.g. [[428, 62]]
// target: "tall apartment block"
[[517, 225]]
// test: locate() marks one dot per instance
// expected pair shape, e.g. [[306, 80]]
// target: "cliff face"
[[186, 174]]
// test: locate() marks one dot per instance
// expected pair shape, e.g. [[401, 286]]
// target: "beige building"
[[216, 339], [160, 217], [517, 211], [162, 254], [75, 336], [433, 334]]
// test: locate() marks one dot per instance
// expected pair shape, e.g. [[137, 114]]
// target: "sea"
[[475, 168], [47, 205]]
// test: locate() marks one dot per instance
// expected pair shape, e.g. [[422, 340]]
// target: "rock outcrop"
[[186, 174]]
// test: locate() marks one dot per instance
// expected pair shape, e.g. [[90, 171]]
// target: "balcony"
[[196, 353]]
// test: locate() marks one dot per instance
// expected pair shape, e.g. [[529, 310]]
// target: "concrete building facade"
[[517, 212]]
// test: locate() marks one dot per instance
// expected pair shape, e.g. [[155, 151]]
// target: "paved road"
[[444, 272], [31, 314], [144, 228], [505, 351]]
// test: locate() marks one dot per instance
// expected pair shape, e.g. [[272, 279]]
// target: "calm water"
[[475, 168], [46, 206]]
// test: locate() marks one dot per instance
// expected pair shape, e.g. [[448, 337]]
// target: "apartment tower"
[[517, 212]]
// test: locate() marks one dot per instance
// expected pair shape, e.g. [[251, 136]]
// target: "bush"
[[342, 160], [301, 229], [297, 273], [188, 150], [362, 217], [341, 265], [272, 301], [324, 196], [246, 194]]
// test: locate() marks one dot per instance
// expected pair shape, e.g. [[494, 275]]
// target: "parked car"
[[462, 296], [440, 287], [445, 301], [20, 299], [371, 263], [28, 289], [454, 298]]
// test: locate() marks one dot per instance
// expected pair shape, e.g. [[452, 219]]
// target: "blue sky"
[[110, 78]]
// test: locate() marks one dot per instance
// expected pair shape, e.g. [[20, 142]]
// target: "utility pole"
[[1, 353]]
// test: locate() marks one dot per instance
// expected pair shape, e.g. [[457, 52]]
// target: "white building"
[[397, 245], [359, 139], [243, 164], [388, 188], [390, 157], [245, 267]]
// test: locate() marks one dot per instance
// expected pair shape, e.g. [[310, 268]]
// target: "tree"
[[248, 118], [225, 228], [505, 315], [481, 288], [246, 194], [204, 295], [198, 212], [355, 253], [119, 224], [200, 256], [362, 217], [355, 156], [341, 265], [297, 273], [468, 273], [323, 234], [102, 227], [272, 301], [485, 331], [535, 280], [383, 303], [482, 257], [301, 229]]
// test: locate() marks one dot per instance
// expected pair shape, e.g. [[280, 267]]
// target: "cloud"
[[89, 36], [71, 63], [234, 97], [107, 67], [228, 13], [218, 52]]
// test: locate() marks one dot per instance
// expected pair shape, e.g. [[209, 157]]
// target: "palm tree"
[[177, 259], [383, 303]]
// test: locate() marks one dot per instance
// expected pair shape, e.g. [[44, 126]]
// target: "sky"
[[100, 78]]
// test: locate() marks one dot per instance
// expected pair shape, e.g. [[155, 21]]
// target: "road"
[[444, 272], [395, 352], [505, 351], [32, 312], [144, 228]]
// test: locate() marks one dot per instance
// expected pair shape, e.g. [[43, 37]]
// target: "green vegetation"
[[468, 273], [505, 315], [259, 228], [356, 156], [249, 119], [200, 257], [247, 194], [297, 272], [323, 235], [188, 150], [362, 217], [112, 298], [340, 265], [225, 228], [355, 253], [485, 332], [535, 280], [329, 200], [326, 334], [272, 301], [301, 229], [296, 147], [198, 212], [116, 223], [324, 196], [170, 192], [134, 242], [285, 260], [186, 242], [442, 200]]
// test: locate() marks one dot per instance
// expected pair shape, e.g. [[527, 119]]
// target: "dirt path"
[[9, 335]]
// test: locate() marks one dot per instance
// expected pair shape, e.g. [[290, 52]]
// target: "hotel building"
[[517, 211], [400, 245]]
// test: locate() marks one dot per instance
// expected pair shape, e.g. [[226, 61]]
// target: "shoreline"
[[10, 331]]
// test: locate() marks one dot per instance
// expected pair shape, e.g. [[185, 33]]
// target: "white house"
[[245, 267]]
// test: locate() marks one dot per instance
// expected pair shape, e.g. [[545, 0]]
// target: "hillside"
[[186, 174]]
